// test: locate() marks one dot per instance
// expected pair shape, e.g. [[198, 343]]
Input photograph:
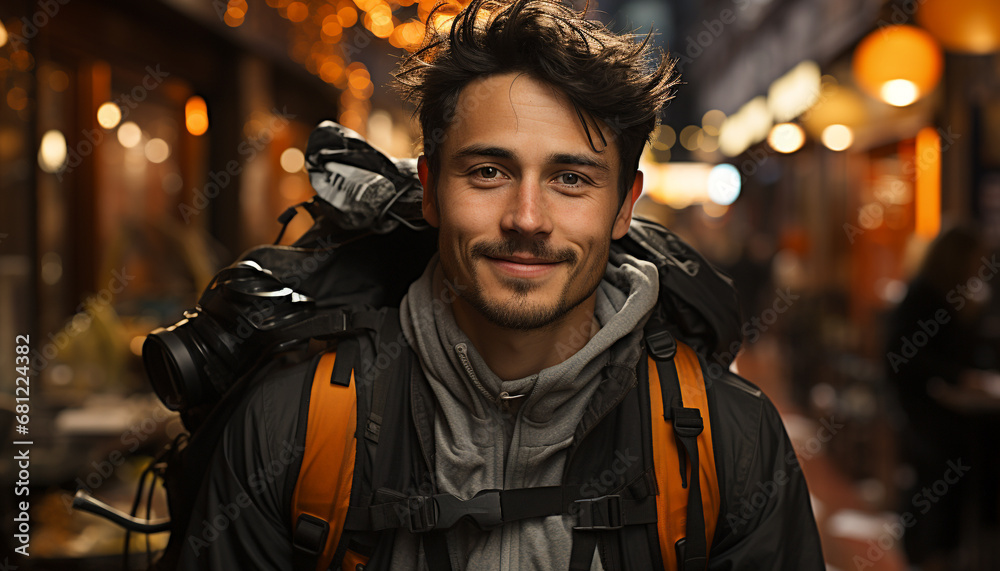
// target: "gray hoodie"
[[481, 442]]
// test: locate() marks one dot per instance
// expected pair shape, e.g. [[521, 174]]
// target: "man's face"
[[525, 207]]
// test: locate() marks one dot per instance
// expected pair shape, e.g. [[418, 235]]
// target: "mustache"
[[534, 248]]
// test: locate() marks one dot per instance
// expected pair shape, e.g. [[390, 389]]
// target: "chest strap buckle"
[[599, 514]]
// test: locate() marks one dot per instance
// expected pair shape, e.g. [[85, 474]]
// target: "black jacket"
[[242, 518]]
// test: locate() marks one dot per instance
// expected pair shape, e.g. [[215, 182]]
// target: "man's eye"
[[488, 172], [570, 178]]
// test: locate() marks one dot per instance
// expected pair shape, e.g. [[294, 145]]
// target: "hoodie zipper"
[[500, 400]]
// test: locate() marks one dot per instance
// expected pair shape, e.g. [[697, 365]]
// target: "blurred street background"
[[840, 159]]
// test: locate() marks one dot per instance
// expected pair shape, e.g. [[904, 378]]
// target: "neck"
[[514, 354]]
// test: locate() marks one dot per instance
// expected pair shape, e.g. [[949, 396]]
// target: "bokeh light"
[[292, 160], [838, 137], [196, 115], [109, 115], [786, 138], [52, 151], [898, 64], [724, 184], [157, 150], [129, 134]]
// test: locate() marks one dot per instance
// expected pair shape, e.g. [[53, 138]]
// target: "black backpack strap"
[[688, 424], [581, 558], [388, 331], [311, 533], [308, 540], [436, 551], [492, 508]]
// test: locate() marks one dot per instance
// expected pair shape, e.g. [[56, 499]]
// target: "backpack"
[[343, 431], [331, 289]]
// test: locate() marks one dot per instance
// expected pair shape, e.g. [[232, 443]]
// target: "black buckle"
[[310, 534], [687, 422], [444, 510], [662, 345], [484, 509], [598, 514], [422, 514]]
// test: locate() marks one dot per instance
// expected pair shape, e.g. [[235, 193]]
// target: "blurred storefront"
[[143, 146], [821, 147]]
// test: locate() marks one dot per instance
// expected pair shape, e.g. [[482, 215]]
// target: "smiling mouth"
[[523, 267]]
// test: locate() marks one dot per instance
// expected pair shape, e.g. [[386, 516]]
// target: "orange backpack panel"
[[671, 502], [323, 489]]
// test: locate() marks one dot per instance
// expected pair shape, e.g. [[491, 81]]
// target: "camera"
[[244, 313]]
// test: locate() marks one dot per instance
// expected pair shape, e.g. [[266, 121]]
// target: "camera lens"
[[173, 367]]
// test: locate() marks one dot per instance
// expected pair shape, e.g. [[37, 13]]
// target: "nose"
[[527, 212]]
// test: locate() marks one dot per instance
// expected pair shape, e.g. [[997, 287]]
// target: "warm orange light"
[[381, 15], [838, 105], [898, 64], [196, 116], [928, 167], [329, 72], [17, 98], [331, 26], [969, 26], [359, 79], [348, 16], [383, 30], [413, 33], [235, 12], [352, 119], [297, 11]]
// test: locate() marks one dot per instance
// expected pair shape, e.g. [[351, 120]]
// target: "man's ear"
[[429, 203], [624, 218]]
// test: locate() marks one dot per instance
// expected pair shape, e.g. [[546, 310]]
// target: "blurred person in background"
[[938, 362]]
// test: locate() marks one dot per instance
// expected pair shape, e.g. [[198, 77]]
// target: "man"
[[533, 122]]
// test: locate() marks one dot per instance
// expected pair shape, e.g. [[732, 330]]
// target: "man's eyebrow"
[[475, 150], [581, 160]]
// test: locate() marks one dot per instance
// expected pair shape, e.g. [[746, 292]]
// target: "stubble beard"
[[515, 312]]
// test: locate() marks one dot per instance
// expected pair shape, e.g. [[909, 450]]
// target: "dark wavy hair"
[[622, 82]]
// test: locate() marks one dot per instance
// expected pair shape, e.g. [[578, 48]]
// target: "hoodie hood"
[[625, 297]]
